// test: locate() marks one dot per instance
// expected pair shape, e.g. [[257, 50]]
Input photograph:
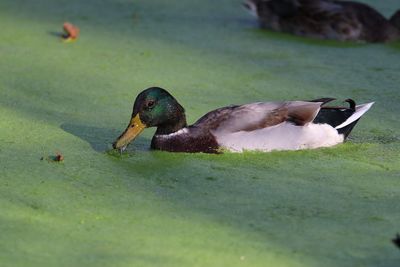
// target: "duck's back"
[[341, 20], [375, 27], [268, 126]]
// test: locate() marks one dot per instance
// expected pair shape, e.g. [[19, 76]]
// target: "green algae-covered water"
[[327, 207]]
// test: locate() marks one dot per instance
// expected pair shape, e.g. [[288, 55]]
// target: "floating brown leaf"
[[71, 32]]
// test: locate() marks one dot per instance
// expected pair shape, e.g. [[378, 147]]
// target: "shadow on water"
[[55, 34], [282, 36], [101, 139]]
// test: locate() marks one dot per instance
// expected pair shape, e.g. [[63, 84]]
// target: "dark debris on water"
[[54, 158], [396, 240]]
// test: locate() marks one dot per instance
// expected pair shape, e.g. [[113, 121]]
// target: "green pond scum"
[[335, 206]]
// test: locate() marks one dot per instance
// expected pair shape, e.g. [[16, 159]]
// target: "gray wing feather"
[[259, 115]]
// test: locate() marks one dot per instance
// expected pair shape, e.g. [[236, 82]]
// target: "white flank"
[[360, 110], [181, 131], [284, 136]]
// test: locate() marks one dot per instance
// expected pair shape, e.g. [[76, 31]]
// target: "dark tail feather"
[[347, 129], [348, 125], [352, 103], [395, 20]]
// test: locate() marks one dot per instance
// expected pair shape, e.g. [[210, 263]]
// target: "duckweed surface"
[[327, 207]]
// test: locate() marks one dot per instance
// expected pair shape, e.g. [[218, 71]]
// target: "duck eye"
[[150, 103]]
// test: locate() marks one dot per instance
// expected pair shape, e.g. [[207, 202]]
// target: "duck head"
[[153, 107]]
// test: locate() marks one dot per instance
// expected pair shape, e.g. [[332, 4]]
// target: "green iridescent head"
[[154, 107]]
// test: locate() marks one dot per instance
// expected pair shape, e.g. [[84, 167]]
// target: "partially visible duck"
[[326, 19], [261, 126]]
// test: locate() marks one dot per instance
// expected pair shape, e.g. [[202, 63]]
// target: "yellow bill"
[[135, 127]]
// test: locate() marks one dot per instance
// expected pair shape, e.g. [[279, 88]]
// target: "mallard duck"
[[262, 126], [326, 19]]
